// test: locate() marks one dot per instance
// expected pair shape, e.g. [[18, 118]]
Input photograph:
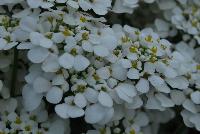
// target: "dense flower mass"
[[99, 66]]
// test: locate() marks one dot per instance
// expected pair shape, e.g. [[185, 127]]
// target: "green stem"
[[14, 72]]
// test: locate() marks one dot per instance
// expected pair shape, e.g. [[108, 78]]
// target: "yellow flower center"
[[133, 49], [149, 38]]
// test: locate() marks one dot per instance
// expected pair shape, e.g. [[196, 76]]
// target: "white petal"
[[177, 97], [84, 5], [31, 99], [163, 88], [142, 85], [81, 63], [165, 101], [61, 110], [91, 95], [137, 103], [41, 85], [74, 111], [124, 97], [195, 97], [87, 46], [170, 72], [126, 63], [153, 103], [47, 43], [161, 25], [196, 120], [118, 72], [38, 54], [105, 99], [149, 67], [133, 74], [51, 64], [2, 43], [25, 45], [58, 126], [58, 37], [126, 91], [35, 38], [94, 113], [54, 95], [80, 100], [156, 80], [189, 105], [73, 4], [58, 80], [29, 24], [66, 60], [100, 10], [46, 5], [109, 112], [103, 73], [101, 51], [34, 3], [178, 82], [142, 119]]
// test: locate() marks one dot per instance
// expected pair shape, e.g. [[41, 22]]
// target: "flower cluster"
[[60, 60], [18, 121]]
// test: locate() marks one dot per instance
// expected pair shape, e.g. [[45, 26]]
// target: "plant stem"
[[14, 72]]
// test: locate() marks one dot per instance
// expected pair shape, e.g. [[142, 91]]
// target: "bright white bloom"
[[79, 62]]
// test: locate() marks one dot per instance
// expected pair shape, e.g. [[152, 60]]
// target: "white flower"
[[5, 45], [39, 39], [65, 111], [68, 61]]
